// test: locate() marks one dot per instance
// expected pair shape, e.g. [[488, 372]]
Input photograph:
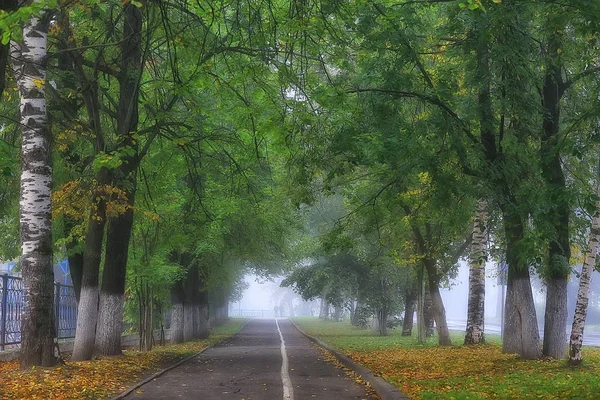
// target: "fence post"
[[57, 307], [4, 308]]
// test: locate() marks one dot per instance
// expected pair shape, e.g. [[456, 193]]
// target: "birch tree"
[[576, 341], [37, 327], [476, 305]]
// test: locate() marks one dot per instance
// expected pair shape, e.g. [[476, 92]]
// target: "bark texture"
[[110, 314], [382, 319], [476, 303], [324, 309], [87, 309], [521, 333], [177, 301], [37, 326], [410, 301], [204, 326], [576, 340], [110, 320], [559, 248], [438, 311]]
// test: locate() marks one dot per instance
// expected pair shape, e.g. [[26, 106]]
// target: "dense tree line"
[[368, 146]]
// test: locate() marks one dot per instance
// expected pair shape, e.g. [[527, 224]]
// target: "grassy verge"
[[102, 377], [426, 371]]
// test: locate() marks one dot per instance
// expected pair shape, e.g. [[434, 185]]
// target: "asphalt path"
[[267, 359]]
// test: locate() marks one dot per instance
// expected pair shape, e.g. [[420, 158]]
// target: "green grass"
[[426, 371], [344, 336]]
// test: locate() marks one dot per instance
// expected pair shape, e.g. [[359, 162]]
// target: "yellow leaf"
[[38, 83]]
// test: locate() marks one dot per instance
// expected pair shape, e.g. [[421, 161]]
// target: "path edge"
[[135, 386], [384, 389]]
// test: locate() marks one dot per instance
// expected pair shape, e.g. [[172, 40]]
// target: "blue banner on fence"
[[11, 300]]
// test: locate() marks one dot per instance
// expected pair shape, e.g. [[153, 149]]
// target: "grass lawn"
[[102, 377], [426, 371]]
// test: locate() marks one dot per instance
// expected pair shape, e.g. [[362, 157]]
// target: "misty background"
[[264, 294]]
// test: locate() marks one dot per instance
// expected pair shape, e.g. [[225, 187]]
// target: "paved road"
[[257, 364]]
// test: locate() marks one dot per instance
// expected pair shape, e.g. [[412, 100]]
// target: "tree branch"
[[430, 99]]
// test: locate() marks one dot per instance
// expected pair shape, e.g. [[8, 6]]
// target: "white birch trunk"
[[177, 323], [575, 355], [475, 313], [188, 322], [37, 329]]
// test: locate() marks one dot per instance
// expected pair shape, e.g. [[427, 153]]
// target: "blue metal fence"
[[11, 299]]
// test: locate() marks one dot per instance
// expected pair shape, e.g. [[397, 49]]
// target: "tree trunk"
[[428, 318], [76, 272], [409, 311], [421, 334], [190, 306], [437, 305], [476, 304], [324, 310], [521, 333], [382, 317], [37, 325], [110, 320], [357, 310], [87, 309], [555, 318], [337, 314], [110, 316], [559, 247], [177, 312], [204, 320], [576, 340]]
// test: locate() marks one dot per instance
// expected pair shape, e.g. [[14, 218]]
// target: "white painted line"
[[288, 389]]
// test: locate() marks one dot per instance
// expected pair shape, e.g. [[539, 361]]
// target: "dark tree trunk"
[[559, 250], [521, 333], [204, 320], [76, 272], [110, 320], [190, 305], [437, 305], [410, 301], [428, 317], [110, 316], [87, 309], [382, 317]]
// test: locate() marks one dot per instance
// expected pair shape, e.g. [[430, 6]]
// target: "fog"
[[456, 296], [264, 294], [264, 297]]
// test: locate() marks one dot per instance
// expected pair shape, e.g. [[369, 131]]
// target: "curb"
[[383, 389], [127, 392]]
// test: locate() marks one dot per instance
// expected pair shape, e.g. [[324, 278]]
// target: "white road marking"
[[288, 389]]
